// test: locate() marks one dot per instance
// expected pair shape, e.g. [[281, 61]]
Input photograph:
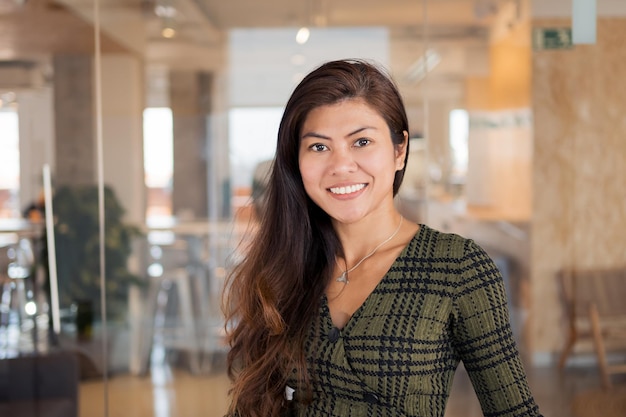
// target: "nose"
[[342, 161]]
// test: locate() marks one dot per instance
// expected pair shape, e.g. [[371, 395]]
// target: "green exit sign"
[[552, 38]]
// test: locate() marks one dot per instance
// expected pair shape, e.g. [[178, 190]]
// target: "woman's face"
[[348, 161]]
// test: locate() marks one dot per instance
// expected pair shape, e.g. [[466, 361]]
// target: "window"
[[9, 164], [253, 134], [459, 130], [158, 160]]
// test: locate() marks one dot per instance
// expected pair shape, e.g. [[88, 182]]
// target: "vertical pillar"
[[190, 98], [36, 128], [74, 120]]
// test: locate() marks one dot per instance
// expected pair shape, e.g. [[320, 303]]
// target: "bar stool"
[[181, 306], [169, 318]]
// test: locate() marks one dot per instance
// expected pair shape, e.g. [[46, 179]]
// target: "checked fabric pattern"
[[442, 302]]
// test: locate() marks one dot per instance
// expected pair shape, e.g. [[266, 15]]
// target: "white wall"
[[266, 64]]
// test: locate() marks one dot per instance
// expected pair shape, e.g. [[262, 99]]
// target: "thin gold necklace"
[[344, 275]]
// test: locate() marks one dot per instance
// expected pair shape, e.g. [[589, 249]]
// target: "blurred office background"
[[143, 125]]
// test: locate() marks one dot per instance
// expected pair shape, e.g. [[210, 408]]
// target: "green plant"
[[77, 237]]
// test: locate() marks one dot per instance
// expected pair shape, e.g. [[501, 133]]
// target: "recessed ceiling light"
[[168, 32], [303, 35]]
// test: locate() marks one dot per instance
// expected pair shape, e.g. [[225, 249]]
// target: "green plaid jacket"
[[442, 302]]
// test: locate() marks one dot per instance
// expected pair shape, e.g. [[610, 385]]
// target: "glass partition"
[[50, 316], [134, 137]]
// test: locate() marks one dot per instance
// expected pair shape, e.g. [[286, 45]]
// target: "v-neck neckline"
[[354, 317]]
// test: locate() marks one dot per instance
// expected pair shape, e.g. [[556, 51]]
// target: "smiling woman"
[[343, 307]]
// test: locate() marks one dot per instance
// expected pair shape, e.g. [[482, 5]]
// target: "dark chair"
[[44, 385]]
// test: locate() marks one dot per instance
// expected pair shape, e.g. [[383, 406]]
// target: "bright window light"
[[459, 131], [158, 150], [158, 147], [10, 150], [9, 164]]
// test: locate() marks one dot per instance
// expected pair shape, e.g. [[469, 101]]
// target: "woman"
[[344, 308]]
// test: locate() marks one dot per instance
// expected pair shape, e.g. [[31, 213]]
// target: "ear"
[[401, 151]]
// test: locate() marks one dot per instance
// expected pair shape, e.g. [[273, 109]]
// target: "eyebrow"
[[320, 136]]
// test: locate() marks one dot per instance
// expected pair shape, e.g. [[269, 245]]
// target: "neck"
[[358, 239], [344, 278]]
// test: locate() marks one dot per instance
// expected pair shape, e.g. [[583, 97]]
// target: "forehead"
[[343, 113]]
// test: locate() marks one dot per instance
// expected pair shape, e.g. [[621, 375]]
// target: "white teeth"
[[347, 190]]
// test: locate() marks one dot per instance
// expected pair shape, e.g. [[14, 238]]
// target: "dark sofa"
[[44, 385]]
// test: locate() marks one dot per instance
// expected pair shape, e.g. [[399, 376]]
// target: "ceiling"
[[30, 27], [245, 13], [40, 27], [31, 30]]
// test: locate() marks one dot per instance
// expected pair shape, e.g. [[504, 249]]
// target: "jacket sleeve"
[[483, 338]]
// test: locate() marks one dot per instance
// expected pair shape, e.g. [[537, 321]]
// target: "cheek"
[[382, 165], [308, 172]]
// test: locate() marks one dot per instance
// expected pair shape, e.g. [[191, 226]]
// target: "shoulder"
[[449, 258], [430, 243]]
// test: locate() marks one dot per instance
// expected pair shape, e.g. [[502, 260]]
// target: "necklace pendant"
[[343, 278]]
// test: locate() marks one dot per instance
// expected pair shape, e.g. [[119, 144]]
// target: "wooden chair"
[[595, 304]]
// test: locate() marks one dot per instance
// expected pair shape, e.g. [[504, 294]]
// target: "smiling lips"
[[347, 190]]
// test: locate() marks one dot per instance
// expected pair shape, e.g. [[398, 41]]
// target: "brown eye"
[[362, 142], [318, 147]]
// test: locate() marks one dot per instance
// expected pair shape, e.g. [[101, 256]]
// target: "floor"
[[174, 392], [170, 390]]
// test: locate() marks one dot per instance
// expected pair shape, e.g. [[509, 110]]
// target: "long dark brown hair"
[[274, 293]]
